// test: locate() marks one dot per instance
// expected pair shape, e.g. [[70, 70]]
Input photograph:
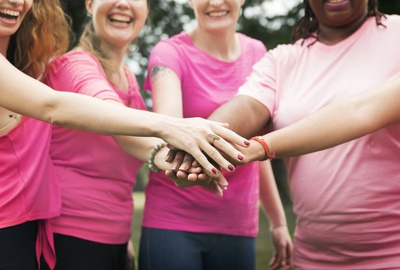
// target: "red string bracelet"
[[264, 144]]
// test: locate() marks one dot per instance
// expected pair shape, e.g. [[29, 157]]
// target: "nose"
[[16, 2], [216, 2], [123, 4]]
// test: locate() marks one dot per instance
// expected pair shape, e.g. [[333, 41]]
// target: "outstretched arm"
[[339, 122], [25, 95]]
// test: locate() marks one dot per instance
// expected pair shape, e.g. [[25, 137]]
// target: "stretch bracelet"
[[153, 153], [268, 154]]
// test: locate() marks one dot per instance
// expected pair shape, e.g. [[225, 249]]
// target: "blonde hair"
[[43, 34], [92, 43]]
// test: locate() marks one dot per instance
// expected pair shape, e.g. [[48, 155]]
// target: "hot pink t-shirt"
[[96, 175], [28, 185], [206, 84], [347, 199]]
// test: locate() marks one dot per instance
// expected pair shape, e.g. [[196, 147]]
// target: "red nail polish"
[[240, 157], [231, 168], [214, 170], [247, 143]]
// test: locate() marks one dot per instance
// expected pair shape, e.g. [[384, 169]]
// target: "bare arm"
[[245, 115], [340, 122], [272, 205], [22, 94]]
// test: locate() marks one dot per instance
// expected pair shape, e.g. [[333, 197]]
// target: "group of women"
[[69, 157]]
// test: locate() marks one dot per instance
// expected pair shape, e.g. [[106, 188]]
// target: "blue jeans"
[[177, 250]]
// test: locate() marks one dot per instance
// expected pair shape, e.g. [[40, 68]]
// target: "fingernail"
[[214, 170], [231, 168], [247, 143], [240, 157]]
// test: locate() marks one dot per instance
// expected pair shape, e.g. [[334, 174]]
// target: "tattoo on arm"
[[157, 71]]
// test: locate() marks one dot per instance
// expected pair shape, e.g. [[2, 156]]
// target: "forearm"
[[25, 95], [269, 196], [245, 115], [339, 122]]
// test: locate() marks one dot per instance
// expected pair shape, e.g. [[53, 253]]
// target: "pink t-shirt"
[[206, 84], [28, 186], [347, 199], [96, 175]]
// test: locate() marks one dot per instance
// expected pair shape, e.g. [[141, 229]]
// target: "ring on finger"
[[214, 137]]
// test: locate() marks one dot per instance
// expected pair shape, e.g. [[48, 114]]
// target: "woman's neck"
[[4, 41], [225, 46], [332, 35]]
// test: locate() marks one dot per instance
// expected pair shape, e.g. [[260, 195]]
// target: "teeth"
[[217, 13], [120, 18], [335, 1], [10, 12]]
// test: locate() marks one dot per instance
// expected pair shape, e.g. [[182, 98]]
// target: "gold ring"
[[214, 137]]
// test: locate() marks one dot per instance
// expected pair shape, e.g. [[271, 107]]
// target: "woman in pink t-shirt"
[[190, 75], [346, 198]]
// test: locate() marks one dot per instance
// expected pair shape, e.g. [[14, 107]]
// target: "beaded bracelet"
[[153, 153], [268, 154]]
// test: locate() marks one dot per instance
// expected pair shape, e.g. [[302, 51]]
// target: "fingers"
[[170, 155], [177, 162], [213, 185], [227, 134]]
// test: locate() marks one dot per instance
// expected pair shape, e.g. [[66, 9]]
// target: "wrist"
[[154, 151], [263, 153], [277, 226]]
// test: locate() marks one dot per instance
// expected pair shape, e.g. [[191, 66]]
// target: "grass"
[[264, 248]]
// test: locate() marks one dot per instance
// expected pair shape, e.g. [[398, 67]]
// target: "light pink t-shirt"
[[206, 84], [96, 175], [347, 199]]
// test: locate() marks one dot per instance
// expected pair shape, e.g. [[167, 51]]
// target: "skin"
[[336, 24]]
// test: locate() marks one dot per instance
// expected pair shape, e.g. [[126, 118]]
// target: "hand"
[[283, 257], [184, 179], [196, 136], [130, 256]]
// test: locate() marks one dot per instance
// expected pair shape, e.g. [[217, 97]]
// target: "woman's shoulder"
[[393, 19], [74, 57]]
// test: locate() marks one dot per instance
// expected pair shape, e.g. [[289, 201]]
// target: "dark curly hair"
[[308, 25], [43, 34]]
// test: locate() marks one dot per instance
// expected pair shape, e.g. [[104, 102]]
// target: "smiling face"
[[339, 13], [118, 22], [216, 15], [12, 13]]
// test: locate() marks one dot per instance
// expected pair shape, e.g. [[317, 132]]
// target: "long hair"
[[308, 25], [92, 43], [43, 34]]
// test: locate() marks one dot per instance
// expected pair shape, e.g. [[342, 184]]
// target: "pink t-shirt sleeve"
[[261, 84], [164, 54], [81, 73]]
